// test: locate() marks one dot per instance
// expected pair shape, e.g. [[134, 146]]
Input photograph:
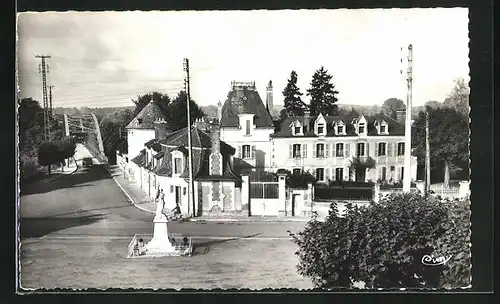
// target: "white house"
[[328, 146], [246, 123]]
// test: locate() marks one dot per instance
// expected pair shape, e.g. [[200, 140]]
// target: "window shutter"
[[314, 150], [334, 149], [327, 150], [346, 173], [291, 151], [327, 174], [394, 149], [367, 153], [378, 173], [389, 149], [376, 148], [253, 151], [346, 150], [239, 152], [304, 147]]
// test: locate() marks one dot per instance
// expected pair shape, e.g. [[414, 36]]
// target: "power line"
[[44, 71]]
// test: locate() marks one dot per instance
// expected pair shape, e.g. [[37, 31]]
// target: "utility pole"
[[50, 101], [190, 152], [427, 155], [43, 69], [407, 156]]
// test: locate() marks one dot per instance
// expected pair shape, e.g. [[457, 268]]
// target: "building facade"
[[246, 124], [342, 148]]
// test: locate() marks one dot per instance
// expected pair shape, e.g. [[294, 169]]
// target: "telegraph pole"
[[50, 101], [190, 152], [43, 70], [407, 156], [427, 155]]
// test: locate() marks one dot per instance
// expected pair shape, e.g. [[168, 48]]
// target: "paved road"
[[89, 203]]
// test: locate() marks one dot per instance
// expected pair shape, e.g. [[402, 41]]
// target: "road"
[[89, 203]]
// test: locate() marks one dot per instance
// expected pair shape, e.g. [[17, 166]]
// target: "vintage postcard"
[[256, 149]]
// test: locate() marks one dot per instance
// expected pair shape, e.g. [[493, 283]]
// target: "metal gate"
[[264, 185]]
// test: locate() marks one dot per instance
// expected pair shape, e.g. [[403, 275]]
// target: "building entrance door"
[[294, 203], [178, 195]]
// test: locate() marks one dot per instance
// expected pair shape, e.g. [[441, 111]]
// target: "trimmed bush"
[[384, 244]]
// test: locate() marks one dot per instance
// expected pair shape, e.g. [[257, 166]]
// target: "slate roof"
[[148, 115], [241, 100], [199, 139], [140, 159], [284, 129], [202, 143]]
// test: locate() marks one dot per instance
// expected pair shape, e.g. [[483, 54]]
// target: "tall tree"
[[141, 101], [49, 154], [177, 111], [391, 106], [323, 94], [448, 138], [293, 102], [459, 97]]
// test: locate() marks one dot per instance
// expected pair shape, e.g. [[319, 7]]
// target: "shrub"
[[28, 166], [383, 244]]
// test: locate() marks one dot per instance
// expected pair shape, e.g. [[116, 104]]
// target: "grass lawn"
[[92, 263]]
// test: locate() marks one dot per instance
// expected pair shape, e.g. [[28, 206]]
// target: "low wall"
[[323, 207], [269, 207]]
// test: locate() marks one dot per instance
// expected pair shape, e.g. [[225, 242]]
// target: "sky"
[[104, 59]]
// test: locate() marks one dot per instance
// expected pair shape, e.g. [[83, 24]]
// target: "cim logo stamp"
[[429, 260]]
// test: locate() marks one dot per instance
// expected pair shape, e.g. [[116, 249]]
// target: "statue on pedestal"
[[160, 202]]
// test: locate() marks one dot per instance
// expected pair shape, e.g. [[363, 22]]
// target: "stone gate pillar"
[[245, 191]]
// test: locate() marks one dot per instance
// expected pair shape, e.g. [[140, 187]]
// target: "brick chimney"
[[400, 116], [201, 124], [269, 97], [215, 161], [160, 128], [307, 120]]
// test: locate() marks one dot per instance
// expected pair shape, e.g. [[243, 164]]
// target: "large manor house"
[[235, 154]]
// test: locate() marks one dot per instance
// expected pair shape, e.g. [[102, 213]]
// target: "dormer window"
[[381, 127], [361, 128], [139, 121], [321, 129], [177, 163], [339, 127], [320, 125], [297, 128]]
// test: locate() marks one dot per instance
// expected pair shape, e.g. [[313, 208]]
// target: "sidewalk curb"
[[126, 193]]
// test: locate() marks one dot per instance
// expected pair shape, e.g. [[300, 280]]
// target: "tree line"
[[32, 135], [113, 124]]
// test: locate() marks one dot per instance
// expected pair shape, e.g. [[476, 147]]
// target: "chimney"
[[160, 128], [215, 155], [400, 116], [219, 111], [269, 97], [307, 119]]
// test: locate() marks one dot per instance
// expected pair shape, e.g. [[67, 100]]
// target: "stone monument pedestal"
[[160, 244]]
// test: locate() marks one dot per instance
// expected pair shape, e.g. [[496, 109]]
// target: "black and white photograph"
[[258, 149]]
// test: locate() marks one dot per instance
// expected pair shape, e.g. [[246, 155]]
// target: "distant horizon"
[[106, 58]]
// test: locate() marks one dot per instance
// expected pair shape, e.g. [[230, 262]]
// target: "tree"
[[323, 94], [434, 104], [459, 97], [67, 148], [448, 139], [163, 100], [293, 102], [113, 127], [177, 111], [49, 154], [30, 122], [383, 244], [391, 105]]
